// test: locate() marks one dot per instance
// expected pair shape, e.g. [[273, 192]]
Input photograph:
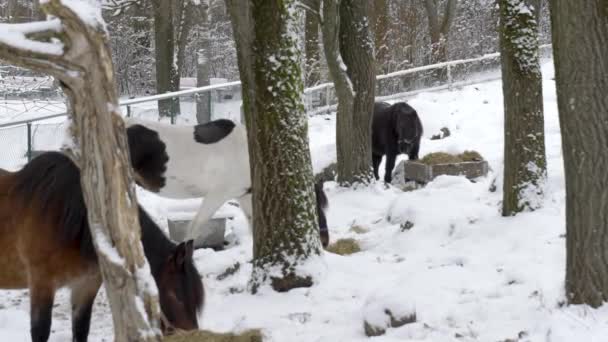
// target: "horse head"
[[406, 126], [148, 157], [180, 288]]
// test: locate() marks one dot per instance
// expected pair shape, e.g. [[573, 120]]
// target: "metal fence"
[[21, 140]]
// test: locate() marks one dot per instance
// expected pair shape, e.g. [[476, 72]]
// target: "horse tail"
[[322, 201]]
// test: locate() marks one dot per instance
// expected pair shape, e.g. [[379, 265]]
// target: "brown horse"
[[45, 244]]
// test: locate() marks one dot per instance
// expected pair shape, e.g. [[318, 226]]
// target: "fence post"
[[449, 77], [29, 142]]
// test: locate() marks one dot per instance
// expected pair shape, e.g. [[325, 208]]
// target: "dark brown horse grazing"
[[45, 244]]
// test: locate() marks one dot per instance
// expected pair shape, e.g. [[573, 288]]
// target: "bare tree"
[[164, 48], [381, 34], [311, 36], [580, 50], [82, 62], [285, 228], [525, 168], [349, 51], [439, 27]]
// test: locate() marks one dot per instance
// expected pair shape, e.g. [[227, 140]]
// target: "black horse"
[[396, 129]]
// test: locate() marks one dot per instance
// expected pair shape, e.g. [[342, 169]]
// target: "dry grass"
[[470, 156], [440, 158], [208, 336], [437, 158], [344, 247]]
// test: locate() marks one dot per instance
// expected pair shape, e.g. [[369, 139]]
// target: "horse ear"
[[180, 255], [189, 250]]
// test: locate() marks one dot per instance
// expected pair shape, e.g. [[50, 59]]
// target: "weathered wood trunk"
[[580, 50], [347, 37], [86, 71], [285, 227], [525, 165]]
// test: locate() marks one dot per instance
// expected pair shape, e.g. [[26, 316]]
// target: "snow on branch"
[[42, 45], [28, 37]]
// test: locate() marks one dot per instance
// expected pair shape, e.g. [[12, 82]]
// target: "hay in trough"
[[208, 336], [344, 247], [436, 158], [468, 156]]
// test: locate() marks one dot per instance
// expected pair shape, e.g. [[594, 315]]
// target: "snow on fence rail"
[[26, 137]]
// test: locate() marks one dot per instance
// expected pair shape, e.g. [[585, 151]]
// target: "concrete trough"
[[216, 229], [423, 173]]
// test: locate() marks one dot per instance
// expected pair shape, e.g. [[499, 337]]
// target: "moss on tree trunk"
[[284, 216], [525, 165]]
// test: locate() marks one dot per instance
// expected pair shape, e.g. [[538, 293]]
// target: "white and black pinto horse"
[[209, 160]]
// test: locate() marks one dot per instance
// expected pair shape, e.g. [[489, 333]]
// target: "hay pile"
[[437, 158], [208, 336], [344, 247]]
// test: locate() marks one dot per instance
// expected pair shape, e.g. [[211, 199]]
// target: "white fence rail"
[[22, 138]]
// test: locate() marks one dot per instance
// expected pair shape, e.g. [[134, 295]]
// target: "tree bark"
[[85, 68], [285, 227], [580, 50], [167, 76], [439, 28], [349, 50], [381, 31], [312, 70], [203, 73], [525, 164]]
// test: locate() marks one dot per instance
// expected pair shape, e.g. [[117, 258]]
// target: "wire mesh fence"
[[22, 140]]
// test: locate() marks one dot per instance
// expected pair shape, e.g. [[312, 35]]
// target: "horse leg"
[[83, 296], [390, 164], [247, 206], [42, 298], [211, 203], [376, 159]]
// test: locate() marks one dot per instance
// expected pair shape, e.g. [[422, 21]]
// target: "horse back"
[[33, 246]]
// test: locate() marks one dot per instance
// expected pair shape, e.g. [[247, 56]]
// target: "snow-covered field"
[[470, 274]]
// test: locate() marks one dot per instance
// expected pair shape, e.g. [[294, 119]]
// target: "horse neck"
[[157, 247]]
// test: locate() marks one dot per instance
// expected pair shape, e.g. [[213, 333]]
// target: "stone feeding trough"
[[216, 228], [469, 164]]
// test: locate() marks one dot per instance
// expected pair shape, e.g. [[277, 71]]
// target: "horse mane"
[[51, 182]]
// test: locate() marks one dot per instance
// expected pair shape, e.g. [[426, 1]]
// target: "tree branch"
[[331, 44], [431, 12]]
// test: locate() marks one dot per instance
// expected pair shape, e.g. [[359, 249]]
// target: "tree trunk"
[[580, 50], [525, 164], [167, 77], [439, 28], [348, 38], [85, 69], [312, 70], [381, 31], [285, 227], [203, 73]]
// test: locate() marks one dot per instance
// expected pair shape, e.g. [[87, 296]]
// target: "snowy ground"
[[471, 274]]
